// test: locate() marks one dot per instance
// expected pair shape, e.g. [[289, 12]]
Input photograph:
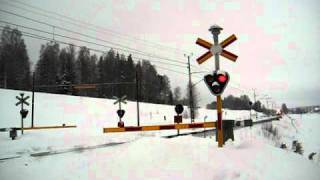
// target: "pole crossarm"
[[160, 127]]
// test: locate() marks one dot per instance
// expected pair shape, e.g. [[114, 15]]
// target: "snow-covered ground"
[[86, 153]]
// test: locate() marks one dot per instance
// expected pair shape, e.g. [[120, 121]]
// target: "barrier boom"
[[47, 127], [160, 127]]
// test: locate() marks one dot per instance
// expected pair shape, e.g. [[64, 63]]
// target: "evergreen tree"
[[47, 66], [93, 69], [195, 99], [111, 73], [284, 109], [66, 69], [82, 65], [257, 106], [101, 76], [130, 77], [150, 82], [166, 96], [70, 68], [177, 95], [14, 60]]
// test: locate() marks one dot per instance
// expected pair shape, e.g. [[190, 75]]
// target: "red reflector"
[[222, 78]]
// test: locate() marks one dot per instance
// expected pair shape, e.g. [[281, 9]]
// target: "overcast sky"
[[277, 44]]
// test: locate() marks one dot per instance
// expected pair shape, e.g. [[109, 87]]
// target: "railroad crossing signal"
[[22, 100], [217, 82], [23, 112], [120, 111], [121, 100], [179, 108], [178, 118], [216, 49]]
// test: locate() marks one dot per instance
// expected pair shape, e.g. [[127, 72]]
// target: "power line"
[[72, 21], [159, 67], [124, 48], [94, 84], [62, 42]]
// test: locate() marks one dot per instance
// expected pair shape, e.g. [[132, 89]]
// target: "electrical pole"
[[255, 102], [190, 92], [137, 97], [5, 80], [32, 110]]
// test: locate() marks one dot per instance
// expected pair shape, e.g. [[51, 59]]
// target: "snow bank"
[[144, 155]]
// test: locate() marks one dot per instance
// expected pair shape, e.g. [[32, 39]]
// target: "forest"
[[58, 68]]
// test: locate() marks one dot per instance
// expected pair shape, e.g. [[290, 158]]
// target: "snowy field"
[[86, 153]]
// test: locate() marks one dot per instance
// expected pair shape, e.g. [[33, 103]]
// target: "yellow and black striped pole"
[[160, 127]]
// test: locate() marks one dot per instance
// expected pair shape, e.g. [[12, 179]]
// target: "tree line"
[[241, 103], [70, 65]]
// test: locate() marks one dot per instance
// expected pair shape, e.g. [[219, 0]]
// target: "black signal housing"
[[217, 82]]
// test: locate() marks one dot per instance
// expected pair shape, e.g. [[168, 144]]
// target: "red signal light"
[[222, 78]]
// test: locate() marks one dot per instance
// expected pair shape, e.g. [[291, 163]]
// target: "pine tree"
[[284, 109], [195, 99], [47, 66], [93, 70], [82, 64], [111, 73], [14, 60], [177, 95], [150, 82], [130, 77], [70, 68], [101, 76]]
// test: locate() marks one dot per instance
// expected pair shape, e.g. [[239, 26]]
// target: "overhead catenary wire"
[[123, 48], [88, 25], [171, 70], [92, 42], [73, 20], [32, 35], [94, 84]]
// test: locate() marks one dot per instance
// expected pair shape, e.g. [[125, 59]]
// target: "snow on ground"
[[145, 155]]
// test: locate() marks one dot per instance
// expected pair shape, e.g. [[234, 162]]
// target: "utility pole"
[[255, 102], [137, 97], [5, 79], [190, 92], [32, 110]]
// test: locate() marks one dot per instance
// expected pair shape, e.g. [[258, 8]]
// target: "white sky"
[[277, 40]]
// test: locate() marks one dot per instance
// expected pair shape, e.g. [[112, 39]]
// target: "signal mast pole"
[[215, 30]]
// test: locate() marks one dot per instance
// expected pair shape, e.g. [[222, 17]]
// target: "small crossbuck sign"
[[216, 49], [122, 99], [22, 100]]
